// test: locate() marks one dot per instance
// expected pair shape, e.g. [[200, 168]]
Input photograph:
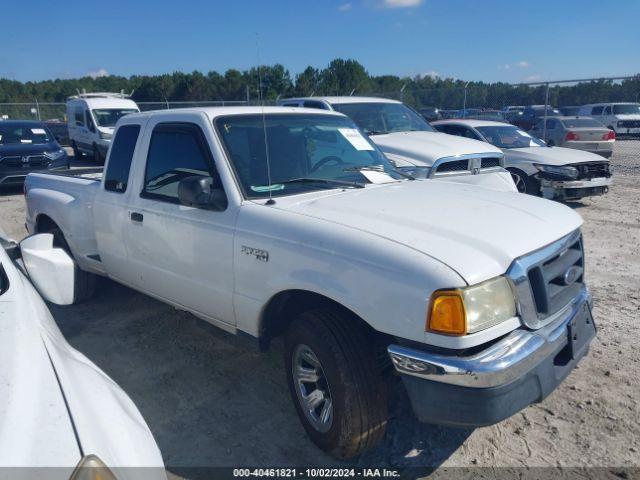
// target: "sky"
[[489, 40]]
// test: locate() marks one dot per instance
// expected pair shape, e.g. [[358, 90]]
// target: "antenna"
[[271, 201]]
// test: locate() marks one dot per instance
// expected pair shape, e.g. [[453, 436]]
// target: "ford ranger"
[[290, 222]]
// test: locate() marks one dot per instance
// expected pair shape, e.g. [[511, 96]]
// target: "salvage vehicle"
[[413, 145], [92, 118], [27, 146], [290, 222], [622, 118], [539, 169], [58, 409], [581, 133]]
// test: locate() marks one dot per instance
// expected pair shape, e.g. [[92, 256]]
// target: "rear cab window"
[[120, 157]]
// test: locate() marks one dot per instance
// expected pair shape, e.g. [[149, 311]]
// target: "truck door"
[[111, 218], [184, 254]]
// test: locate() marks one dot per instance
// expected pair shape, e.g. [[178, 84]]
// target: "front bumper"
[[487, 387], [574, 189]]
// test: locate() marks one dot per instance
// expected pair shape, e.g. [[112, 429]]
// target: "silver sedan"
[[581, 133]]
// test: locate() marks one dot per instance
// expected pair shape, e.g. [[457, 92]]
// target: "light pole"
[[464, 103]]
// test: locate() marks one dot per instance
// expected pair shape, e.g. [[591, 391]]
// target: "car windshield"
[[24, 134], [582, 123], [107, 117], [629, 109], [306, 152], [378, 118], [509, 137]]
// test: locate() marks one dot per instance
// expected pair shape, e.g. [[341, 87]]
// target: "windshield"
[[629, 109], [377, 118], [582, 123], [107, 117], [509, 137], [306, 152], [24, 134]]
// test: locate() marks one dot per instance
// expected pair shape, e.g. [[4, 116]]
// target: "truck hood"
[[552, 155], [424, 148], [475, 231]]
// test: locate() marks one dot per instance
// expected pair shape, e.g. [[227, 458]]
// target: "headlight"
[[92, 468], [105, 135], [55, 155], [558, 170], [471, 309]]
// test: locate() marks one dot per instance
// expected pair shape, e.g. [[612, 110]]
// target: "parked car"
[[415, 146], [92, 118], [449, 113], [27, 146], [581, 133], [317, 238], [553, 172], [531, 114], [622, 118], [60, 131], [513, 108], [58, 409], [487, 114], [570, 111], [430, 113]]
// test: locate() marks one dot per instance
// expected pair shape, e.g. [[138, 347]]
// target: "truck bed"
[[88, 173]]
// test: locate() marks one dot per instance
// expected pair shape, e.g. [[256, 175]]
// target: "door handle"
[[136, 217]]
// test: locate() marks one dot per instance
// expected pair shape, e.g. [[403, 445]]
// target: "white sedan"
[[58, 409], [536, 168]]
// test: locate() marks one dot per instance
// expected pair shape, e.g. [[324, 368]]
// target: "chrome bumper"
[[594, 182], [501, 363]]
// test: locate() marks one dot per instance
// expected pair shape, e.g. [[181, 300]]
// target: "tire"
[[524, 183], [76, 153], [84, 282], [347, 375], [97, 157]]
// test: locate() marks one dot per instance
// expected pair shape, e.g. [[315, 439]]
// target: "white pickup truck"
[[289, 221]]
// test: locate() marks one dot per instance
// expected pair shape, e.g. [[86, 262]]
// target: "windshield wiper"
[[374, 168], [340, 183]]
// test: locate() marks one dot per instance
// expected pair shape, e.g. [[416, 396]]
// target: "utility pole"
[[464, 103], [402, 92], [546, 108]]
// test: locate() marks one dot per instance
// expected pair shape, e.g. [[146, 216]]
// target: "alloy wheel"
[[312, 388]]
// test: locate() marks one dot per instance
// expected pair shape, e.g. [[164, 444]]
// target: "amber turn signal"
[[447, 314]]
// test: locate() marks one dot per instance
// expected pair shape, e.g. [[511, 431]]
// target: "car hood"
[[552, 155], [475, 231], [424, 148], [27, 148]]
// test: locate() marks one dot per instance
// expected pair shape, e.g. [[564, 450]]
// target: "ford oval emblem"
[[571, 275]]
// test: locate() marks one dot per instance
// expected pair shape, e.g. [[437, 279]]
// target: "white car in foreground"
[[554, 172], [289, 222], [58, 409], [411, 143]]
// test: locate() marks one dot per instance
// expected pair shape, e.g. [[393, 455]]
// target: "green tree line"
[[340, 77]]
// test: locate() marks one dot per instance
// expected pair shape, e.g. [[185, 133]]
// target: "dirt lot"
[[210, 401]]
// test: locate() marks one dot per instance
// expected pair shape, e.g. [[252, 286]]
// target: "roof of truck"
[[214, 112], [344, 99]]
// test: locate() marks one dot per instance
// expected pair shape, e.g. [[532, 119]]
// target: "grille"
[[16, 161], [629, 124], [549, 279], [454, 166], [588, 171], [489, 162]]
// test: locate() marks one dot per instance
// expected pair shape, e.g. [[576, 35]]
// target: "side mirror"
[[199, 191], [51, 269]]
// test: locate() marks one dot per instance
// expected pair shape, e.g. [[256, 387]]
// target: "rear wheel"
[[524, 183], [85, 282], [97, 156], [335, 382]]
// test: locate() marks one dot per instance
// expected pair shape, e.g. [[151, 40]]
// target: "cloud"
[[345, 7], [401, 3], [430, 73], [533, 78], [509, 66], [101, 72]]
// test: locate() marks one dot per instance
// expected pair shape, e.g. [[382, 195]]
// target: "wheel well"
[[44, 223], [286, 305]]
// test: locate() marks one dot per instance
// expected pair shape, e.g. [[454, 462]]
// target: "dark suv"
[[532, 113]]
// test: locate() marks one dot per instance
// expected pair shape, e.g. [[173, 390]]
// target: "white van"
[[622, 118], [92, 118]]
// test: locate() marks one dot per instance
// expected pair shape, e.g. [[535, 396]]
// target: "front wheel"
[[97, 156], [76, 152], [524, 183], [335, 382]]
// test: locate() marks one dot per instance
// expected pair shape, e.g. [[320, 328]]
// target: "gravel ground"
[[211, 401]]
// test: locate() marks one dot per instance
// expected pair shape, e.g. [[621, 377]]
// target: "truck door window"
[[596, 111], [79, 114], [176, 151], [607, 110], [89, 121], [124, 143]]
